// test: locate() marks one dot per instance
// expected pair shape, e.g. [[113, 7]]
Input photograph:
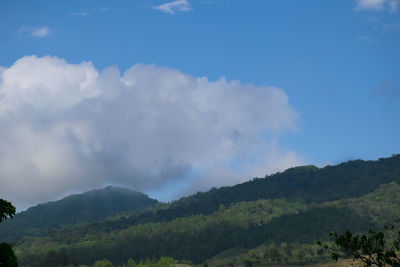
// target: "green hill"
[[307, 183], [73, 210], [200, 237], [291, 209]]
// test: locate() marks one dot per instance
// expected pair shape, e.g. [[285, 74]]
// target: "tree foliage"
[[300, 205], [7, 256], [7, 210], [54, 258], [371, 248], [197, 238]]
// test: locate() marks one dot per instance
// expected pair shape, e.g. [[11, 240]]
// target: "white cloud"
[[174, 6], [38, 32], [2, 69], [377, 5], [82, 13], [391, 27], [366, 38], [67, 127], [101, 9], [41, 32], [370, 4]]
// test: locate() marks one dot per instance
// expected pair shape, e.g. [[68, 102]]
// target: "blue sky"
[[337, 62]]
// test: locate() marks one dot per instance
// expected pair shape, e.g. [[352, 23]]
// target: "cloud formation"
[[81, 13], [68, 128], [38, 32], [174, 6], [91, 11], [377, 5]]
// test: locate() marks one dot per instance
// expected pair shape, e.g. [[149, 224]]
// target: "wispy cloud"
[[91, 11], [41, 32], [370, 4], [174, 6], [366, 38], [391, 27], [38, 32], [391, 5], [82, 13]]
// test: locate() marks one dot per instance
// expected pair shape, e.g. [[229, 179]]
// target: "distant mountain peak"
[[87, 207]]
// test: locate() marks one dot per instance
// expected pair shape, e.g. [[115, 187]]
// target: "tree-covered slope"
[[299, 205], [312, 184], [76, 209], [306, 183], [200, 237]]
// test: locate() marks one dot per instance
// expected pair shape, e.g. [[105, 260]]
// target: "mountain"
[[88, 207], [244, 225], [305, 183], [284, 212]]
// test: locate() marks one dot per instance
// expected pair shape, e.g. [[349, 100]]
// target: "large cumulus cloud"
[[68, 127]]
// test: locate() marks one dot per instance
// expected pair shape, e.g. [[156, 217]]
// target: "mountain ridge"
[[310, 184], [75, 209], [243, 225], [297, 206]]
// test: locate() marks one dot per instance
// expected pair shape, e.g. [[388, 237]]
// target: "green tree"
[[131, 263], [53, 258], [253, 259], [286, 250], [7, 210], [103, 263], [371, 248], [271, 253], [7, 256], [166, 261]]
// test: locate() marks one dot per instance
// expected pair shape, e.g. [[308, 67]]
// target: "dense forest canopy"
[[295, 207]]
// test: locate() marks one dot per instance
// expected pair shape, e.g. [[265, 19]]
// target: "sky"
[[174, 97]]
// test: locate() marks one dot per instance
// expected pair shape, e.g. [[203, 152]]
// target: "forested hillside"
[[200, 237], [284, 213], [307, 184], [76, 209]]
